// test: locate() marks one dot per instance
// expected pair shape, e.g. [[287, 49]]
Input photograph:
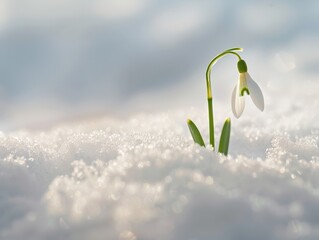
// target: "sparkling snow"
[[145, 179]]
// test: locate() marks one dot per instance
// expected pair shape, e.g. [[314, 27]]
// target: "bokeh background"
[[64, 60]]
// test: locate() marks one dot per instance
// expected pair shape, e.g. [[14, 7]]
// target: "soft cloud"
[[4, 14], [174, 24], [35, 12], [262, 19], [119, 9]]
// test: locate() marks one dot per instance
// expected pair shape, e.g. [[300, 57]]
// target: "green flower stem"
[[209, 91], [211, 122]]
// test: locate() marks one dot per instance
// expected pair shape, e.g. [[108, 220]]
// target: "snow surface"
[[143, 178]]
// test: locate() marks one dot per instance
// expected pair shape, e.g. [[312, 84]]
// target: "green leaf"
[[197, 137], [224, 138]]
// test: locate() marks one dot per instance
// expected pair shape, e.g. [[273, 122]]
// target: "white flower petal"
[[237, 103], [255, 93], [233, 99]]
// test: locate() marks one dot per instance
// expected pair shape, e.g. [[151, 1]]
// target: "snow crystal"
[[145, 179]]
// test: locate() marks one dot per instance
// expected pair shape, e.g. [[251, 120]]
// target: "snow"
[[143, 178]]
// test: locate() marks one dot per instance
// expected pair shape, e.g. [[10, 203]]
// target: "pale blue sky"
[[65, 59]]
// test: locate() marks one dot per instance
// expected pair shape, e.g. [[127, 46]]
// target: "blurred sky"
[[62, 60]]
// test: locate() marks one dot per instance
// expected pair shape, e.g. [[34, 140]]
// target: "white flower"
[[245, 85]]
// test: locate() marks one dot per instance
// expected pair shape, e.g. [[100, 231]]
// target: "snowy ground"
[[143, 178]]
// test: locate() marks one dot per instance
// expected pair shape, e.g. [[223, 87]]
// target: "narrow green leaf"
[[224, 138], [197, 137]]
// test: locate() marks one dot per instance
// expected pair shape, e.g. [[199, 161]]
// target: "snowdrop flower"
[[245, 85]]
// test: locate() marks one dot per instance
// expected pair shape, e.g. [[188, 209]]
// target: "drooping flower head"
[[245, 85]]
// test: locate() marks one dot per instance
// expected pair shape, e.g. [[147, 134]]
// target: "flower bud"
[[242, 66]]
